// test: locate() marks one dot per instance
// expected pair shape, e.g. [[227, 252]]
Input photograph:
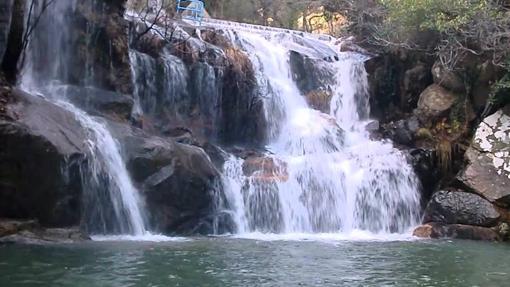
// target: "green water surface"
[[242, 262]]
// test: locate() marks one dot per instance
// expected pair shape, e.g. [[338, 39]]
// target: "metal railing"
[[191, 9]]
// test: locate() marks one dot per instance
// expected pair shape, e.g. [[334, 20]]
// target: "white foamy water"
[[330, 177], [146, 237]]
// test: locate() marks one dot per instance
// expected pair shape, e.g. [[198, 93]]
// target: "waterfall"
[[111, 201], [326, 175]]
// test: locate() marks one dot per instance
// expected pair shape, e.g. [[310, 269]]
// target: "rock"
[[415, 81], [488, 169], [402, 131], [488, 73], [457, 207], [425, 167], [434, 102], [503, 230], [41, 157], [447, 79], [456, 231], [179, 182], [100, 102], [319, 100], [5, 24], [265, 168], [46, 236], [243, 118], [308, 73], [10, 226], [372, 126]]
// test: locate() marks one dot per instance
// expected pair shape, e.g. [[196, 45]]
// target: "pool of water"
[[228, 261]]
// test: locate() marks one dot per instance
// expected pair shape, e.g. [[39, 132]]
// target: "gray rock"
[[41, 154], [100, 102], [488, 169], [46, 236], [457, 207], [179, 181], [434, 102]]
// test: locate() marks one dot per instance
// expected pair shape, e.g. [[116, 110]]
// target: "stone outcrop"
[[41, 154], [488, 169], [434, 102], [457, 207], [179, 182], [100, 102], [457, 231]]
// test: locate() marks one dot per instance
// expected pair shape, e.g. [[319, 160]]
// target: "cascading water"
[[328, 176], [111, 201]]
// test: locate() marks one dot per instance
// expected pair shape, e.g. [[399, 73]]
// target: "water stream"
[[328, 175]]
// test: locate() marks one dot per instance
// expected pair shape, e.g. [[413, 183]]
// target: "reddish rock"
[[457, 231]]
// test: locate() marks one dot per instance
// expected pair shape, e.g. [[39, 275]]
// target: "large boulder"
[[488, 169], [447, 78], [41, 155], [179, 182], [457, 207], [5, 24], [458, 231], [100, 102], [434, 102]]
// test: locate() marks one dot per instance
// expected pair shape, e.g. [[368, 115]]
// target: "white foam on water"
[[355, 235], [148, 237]]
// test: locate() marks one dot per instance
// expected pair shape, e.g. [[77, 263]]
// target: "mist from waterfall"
[[330, 177]]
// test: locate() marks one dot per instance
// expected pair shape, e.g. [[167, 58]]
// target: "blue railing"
[[194, 8]]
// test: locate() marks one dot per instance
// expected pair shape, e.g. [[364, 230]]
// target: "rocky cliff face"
[[433, 112]]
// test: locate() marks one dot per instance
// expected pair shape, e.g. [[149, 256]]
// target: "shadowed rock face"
[[178, 181], [41, 156]]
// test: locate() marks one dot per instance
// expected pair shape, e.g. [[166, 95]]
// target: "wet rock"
[[372, 126], [265, 169], [100, 102], [425, 167], [46, 236], [5, 24], [319, 100], [488, 169], [107, 51], [402, 131], [179, 182], [434, 102], [243, 118], [308, 74], [41, 155], [457, 207], [10, 226], [447, 79], [457, 231]]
